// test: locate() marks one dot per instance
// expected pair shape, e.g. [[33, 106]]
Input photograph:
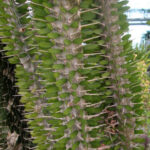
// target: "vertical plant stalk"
[[13, 128], [100, 108], [22, 49], [17, 51], [70, 43], [116, 69], [110, 54]]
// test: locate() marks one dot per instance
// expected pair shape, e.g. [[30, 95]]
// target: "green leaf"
[[50, 19], [105, 75], [78, 41], [45, 45], [61, 82], [58, 66], [53, 35], [86, 4], [67, 42], [75, 24], [44, 31]]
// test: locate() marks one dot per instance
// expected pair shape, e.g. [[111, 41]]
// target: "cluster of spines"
[[13, 34], [98, 98], [59, 47], [77, 78], [117, 87]]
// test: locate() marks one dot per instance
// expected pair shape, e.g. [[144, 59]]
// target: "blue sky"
[[137, 31]]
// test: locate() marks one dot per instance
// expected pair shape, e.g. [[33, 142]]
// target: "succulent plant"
[[76, 73], [12, 110]]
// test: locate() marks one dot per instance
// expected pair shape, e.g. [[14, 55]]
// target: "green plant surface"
[[11, 109], [13, 49], [75, 71]]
